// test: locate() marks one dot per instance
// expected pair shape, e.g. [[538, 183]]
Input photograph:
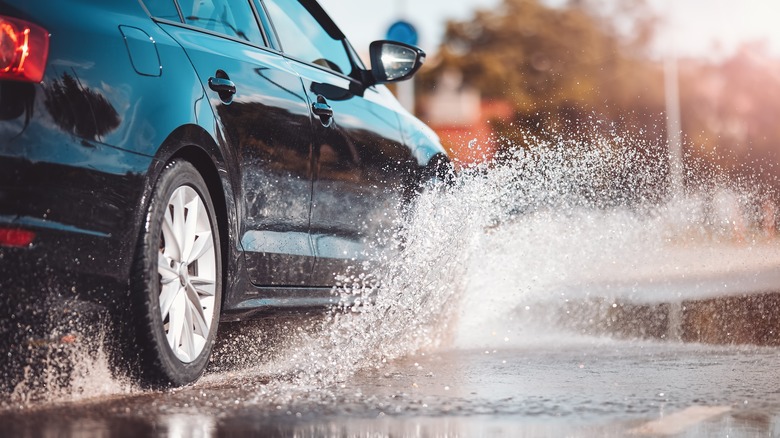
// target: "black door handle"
[[321, 109], [224, 87]]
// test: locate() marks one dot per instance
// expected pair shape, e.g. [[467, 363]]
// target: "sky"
[[706, 28], [364, 21]]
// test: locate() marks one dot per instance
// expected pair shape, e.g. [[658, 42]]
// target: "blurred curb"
[[752, 319]]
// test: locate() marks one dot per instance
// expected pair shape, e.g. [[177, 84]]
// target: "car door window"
[[302, 36], [234, 18], [162, 9]]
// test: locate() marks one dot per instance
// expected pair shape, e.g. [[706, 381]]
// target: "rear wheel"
[[177, 284]]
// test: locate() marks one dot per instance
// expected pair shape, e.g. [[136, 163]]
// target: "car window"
[[162, 9], [234, 18], [302, 36]]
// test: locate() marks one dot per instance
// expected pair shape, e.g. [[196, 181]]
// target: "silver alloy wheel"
[[188, 267]]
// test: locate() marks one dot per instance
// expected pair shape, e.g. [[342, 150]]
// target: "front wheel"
[[177, 281]]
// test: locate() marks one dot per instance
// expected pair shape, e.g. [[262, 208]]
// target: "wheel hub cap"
[[187, 254]]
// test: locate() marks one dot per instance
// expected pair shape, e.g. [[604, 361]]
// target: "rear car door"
[[361, 162], [263, 112]]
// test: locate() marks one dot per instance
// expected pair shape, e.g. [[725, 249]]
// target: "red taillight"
[[15, 237], [24, 48]]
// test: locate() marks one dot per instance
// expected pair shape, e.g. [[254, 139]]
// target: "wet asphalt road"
[[506, 371], [562, 385]]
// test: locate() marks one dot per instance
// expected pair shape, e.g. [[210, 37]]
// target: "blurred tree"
[[586, 67], [557, 66]]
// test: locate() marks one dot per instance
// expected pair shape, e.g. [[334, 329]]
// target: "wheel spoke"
[[187, 342], [176, 324], [190, 228], [203, 243], [204, 286], [194, 303], [171, 248], [168, 294], [201, 326], [167, 273], [177, 220]]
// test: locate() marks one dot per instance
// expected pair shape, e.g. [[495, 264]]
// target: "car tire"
[[176, 281]]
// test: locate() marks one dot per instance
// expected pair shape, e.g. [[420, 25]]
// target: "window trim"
[[259, 22], [269, 34], [182, 23], [155, 18], [215, 34]]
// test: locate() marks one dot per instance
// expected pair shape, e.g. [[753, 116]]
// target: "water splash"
[[497, 258], [411, 300], [69, 365]]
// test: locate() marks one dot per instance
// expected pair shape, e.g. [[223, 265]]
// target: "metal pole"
[[673, 125], [673, 128], [672, 100], [405, 94]]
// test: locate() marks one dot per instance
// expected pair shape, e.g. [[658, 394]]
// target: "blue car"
[[182, 162]]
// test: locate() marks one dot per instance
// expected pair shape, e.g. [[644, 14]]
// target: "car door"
[[263, 114], [361, 162]]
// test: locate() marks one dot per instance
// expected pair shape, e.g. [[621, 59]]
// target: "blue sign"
[[402, 31]]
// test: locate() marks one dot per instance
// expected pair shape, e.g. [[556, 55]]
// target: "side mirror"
[[392, 61]]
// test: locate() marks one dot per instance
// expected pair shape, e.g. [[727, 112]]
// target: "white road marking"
[[679, 421]]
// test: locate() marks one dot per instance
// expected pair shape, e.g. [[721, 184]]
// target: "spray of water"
[[494, 256], [500, 256]]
